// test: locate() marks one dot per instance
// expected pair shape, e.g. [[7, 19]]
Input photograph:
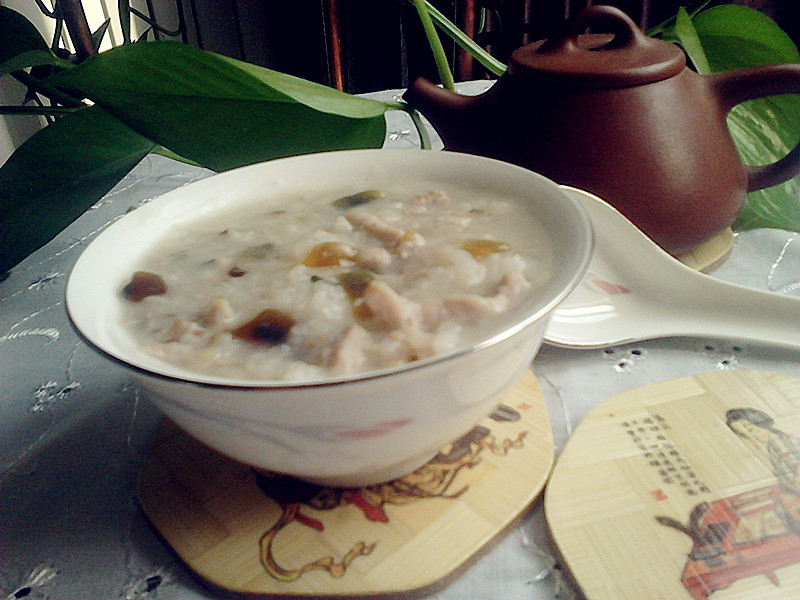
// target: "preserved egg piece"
[[330, 254], [484, 248], [355, 282], [142, 285], [269, 327], [358, 199]]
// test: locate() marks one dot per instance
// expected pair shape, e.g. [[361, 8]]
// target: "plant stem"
[[78, 27], [124, 13], [51, 111], [445, 75], [45, 90], [491, 64], [424, 138]]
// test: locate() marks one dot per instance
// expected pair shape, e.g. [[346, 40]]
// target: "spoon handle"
[[727, 310], [635, 291]]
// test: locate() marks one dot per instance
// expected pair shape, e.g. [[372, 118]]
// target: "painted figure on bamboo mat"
[[754, 532], [783, 450], [435, 479]]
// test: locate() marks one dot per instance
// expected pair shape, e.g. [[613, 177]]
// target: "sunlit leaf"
[[314, 95], [220, 112], [57, 174], [688, 38], [735, 37]]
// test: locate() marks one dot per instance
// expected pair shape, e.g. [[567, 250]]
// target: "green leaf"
[[99, 34], [764, 131], [687, 36], [21, 45], [220, 112], [314, 95], [665, 29], [735, 37], [776, 207], [59, 173]]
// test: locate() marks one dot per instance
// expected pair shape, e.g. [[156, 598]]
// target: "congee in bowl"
[[339, 317], [312, 286]]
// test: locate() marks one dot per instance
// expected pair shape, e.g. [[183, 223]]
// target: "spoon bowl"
[[634, 290]]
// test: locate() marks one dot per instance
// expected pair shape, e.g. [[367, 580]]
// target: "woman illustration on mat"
[[783, 451], [752, 532]]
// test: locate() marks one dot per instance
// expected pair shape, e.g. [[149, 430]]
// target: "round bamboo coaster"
[[264, 534], [684, 489]]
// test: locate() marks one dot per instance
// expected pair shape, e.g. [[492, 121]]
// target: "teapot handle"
[[734, 87]]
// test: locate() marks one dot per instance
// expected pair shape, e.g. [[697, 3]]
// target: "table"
[[73, 429]]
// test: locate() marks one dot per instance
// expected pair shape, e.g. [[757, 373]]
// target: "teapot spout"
[[431, 98], [457, 118]]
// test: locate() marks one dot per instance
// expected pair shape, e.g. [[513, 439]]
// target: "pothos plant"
[[108, 110]]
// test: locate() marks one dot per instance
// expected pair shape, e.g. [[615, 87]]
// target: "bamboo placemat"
[[685, 489], [262, 534]]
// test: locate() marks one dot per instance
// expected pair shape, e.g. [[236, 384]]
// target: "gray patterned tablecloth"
[[73, 429]]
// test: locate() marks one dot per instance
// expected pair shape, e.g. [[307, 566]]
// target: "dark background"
[[367, 45]]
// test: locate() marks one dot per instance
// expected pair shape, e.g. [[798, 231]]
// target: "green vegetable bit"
[[358, 199]]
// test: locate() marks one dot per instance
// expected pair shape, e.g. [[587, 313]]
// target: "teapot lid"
[[577, 60]]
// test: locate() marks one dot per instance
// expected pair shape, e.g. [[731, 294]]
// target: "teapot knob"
[[628, 58], [626, 33]]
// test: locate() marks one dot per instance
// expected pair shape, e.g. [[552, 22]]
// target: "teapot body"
[[627, 121], [660, 153]]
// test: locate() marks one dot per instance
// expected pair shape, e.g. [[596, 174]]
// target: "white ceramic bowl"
[[346, 432]]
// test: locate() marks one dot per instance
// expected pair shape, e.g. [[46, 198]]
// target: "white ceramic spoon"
[[635, 291]]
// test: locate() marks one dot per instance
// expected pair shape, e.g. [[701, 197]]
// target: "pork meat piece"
[[185, 331], [375, 259], [467, 308], [390, 309], [394, 238], [219, 312], [346, 353]]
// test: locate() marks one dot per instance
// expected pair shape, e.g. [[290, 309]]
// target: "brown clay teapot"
[[627, 121]]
